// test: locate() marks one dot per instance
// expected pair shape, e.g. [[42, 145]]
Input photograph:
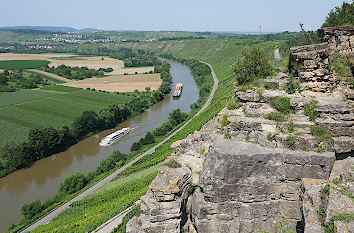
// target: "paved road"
[[99, 184]]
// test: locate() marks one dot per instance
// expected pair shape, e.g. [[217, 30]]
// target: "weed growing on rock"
[[309, 110], [172, 163], [291, 127], [280, 103], [232, 104], [291, 142], [269, 86], [224, 121], [271, 137], [320, 149], [304, 148], [226, 134], [275, 116], [321, 134], [291, 86]]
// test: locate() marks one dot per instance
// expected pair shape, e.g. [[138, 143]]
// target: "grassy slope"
[[28, 109], [207, 50]]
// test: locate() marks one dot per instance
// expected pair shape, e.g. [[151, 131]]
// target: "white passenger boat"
[[108, 140]]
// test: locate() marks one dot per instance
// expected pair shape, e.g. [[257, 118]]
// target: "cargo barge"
[[178, 90]]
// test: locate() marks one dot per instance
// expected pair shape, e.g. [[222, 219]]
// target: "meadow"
[[22, 64], [51, 106]]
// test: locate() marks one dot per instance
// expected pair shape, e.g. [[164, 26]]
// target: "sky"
[[176, 15]]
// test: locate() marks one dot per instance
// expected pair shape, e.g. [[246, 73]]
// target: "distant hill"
[[50, 28]]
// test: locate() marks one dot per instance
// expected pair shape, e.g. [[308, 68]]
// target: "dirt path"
[[51, 75], [277, 55], [99, 184]]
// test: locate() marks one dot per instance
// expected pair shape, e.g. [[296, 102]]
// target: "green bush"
[[275, 116], [321, 134], [309, 110], [282, 104], [232, 104], [73, 183], [252, 65], [31, 209], [172, 163]]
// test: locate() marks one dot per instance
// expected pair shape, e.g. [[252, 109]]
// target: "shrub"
[[172, 163], [291, 86], [282, 104], [252, 65], [73, 183], [31, 209], [341, 64], [275, 116], [320, 149], [291, 142], [232, 104], [321, 134], [224, 121], [309, 110]]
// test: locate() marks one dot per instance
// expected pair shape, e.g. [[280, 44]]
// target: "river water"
[[41, 180]]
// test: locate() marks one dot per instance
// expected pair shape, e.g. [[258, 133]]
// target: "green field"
[[52, 106], [22, 64]]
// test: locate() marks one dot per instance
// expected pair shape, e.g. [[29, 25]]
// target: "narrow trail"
[[56, 212]]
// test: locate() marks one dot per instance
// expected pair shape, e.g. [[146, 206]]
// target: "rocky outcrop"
[[311, 62], [164, 204], [339, 39], [244, 187]]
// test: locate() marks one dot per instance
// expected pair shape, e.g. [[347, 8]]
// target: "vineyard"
[[52, 106]]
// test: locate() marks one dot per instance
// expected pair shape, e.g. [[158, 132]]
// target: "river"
[[42, 179]]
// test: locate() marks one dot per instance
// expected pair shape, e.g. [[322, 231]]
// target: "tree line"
[[77, 73], [11, 81]]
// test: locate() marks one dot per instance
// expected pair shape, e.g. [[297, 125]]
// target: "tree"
[[340, 16], [147, 89], [252, 65], [136, 146], [29, 210], [148, 139], [177, 116], [73, 183]]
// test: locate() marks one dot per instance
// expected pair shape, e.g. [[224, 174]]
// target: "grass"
[[22, 64], [49, 107], [232, 104], [224, 121]]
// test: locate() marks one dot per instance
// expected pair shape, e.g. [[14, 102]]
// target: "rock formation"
[[311, 62]]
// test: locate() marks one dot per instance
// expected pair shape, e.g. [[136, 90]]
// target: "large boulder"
[[244, 187]]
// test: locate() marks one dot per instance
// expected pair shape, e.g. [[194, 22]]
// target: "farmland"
[[22, 64], [48, 107], [120, 83]]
